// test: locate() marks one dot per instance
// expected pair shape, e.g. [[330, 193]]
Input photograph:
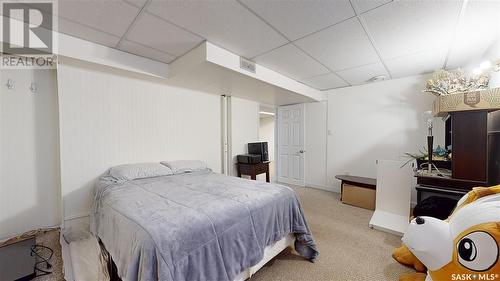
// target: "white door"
[[291, 144]]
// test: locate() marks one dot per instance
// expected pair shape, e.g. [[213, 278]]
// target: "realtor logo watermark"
[[28, 37]]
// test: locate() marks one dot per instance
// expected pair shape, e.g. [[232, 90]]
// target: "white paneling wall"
[[266, 134], [110, 117], [315, 144], [244, 126], [376, 121], [29, 152]]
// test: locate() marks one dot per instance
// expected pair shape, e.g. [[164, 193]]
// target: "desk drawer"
[[261, 168]]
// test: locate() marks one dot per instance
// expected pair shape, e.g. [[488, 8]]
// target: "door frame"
[[277, 144]]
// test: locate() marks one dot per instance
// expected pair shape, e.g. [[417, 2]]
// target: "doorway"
[[290, 144], [267, 125]]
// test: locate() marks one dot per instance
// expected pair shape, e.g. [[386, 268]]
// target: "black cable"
[[37, 251]]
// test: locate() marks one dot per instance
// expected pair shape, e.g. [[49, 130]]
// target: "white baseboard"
[[322, 187], [67, 265], [77, 216]]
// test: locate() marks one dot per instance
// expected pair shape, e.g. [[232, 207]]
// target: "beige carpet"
[[349, 249], [51, 239]]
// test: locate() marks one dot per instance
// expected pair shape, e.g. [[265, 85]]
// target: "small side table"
[[253, 170]]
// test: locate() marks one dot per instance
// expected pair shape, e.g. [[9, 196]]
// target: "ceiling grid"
[[323, 44]]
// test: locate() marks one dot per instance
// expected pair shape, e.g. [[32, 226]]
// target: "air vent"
[[377, 78], [247, 65]]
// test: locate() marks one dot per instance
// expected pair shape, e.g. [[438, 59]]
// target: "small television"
[[259, 148]]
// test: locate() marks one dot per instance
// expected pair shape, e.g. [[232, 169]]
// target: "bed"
[[196, 225]]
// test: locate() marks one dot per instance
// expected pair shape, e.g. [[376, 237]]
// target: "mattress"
[[195, 226]]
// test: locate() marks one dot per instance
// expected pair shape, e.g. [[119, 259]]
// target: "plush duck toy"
[[464, 247]]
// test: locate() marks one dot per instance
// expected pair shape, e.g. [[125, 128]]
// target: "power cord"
[[441, 174], [38, 251]]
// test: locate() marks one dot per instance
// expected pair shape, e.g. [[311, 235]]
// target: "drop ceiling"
[[322, 43]]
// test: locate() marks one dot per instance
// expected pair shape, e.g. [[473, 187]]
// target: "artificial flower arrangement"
[[448, 82]]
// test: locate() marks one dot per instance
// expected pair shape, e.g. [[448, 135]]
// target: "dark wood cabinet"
[[469, 145], [475, 139]]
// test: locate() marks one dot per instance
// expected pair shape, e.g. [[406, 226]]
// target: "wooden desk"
[[253, 170]]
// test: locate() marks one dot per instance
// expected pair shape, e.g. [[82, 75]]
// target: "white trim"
[[66, 258], [326, 188], [317, 186], [337, 190], [224, 135], [77, 216], [303, 180], [229, 115], [267, 113], [76, 48]]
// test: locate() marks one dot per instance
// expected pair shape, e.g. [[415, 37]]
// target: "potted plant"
[[441, 158]]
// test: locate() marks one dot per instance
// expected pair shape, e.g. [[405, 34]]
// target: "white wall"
[[266, 134], [29, 156], [110, 117], [244, 126], [315, 144], [376, 121]]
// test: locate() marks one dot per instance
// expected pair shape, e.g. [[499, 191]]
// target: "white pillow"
[[185, 166], [129, 172]]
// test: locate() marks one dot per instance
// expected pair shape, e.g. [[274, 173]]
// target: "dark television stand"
[[254, 169]]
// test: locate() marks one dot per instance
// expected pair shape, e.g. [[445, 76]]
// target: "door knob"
[[302, 151]]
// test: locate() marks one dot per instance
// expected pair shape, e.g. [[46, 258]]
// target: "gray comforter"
[[194, 226]]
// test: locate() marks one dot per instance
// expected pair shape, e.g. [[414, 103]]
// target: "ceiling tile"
[[325, 81], [362, 6], [137, 49], [296, 19], [406, 27], [137, 3], [224, 23], [110, 16], [478, 30], [292, 62], [341, 46], [81, 31], [360, 75], [156, 33], [87, 33], [419, 63]]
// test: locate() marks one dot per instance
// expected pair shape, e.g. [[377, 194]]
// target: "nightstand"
[[253, 170]]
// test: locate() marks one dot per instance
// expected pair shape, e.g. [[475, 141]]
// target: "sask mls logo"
[[27, 28]]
